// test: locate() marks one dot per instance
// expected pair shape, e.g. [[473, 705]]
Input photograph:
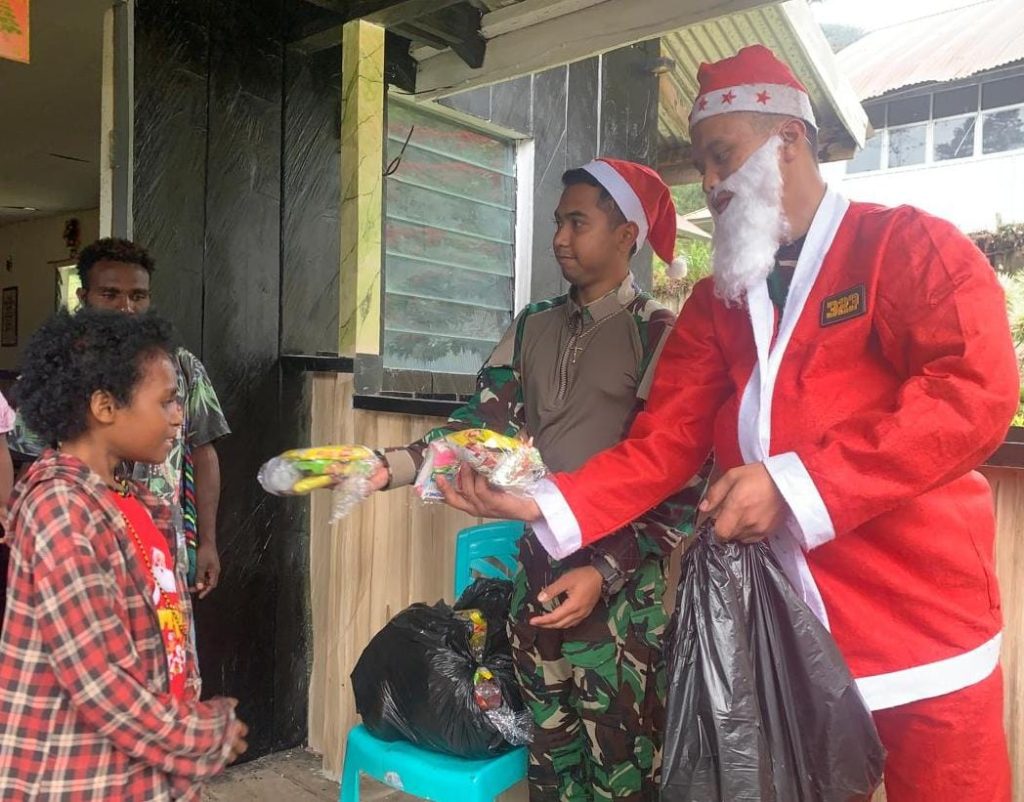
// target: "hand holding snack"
[[508, 463], [348, 470]]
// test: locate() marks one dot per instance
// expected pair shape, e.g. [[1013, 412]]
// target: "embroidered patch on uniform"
[[845, 305]]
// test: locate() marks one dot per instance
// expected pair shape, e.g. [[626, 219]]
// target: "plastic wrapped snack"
[[509, 463], [344, 469]]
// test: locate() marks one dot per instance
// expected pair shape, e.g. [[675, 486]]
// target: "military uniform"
[[572, 377]]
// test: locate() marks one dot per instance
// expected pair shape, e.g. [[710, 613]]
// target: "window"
[[1002, 130], [1005, 92], [907, 145], [953, 138], [869, 157], [449, 243], [959, 123], [953, 102]]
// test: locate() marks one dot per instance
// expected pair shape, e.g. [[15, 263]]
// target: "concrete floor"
[[295, 776]]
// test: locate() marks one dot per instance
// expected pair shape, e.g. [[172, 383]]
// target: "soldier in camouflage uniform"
[[571, 372]]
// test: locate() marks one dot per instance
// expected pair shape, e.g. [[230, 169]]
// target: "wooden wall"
[[1008, 489], [389, 553]]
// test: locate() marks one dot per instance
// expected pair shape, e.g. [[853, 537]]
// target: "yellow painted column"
[[362, 159]]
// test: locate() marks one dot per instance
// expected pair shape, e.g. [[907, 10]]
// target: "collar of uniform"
[[607, 304]]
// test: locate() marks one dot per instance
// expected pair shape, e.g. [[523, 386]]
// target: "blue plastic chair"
[[488, 550]]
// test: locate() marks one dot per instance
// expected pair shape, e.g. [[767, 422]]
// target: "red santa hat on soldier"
[[645, 200], [752, 80]]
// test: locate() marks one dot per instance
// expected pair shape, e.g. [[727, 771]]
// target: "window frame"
[[423, 383]]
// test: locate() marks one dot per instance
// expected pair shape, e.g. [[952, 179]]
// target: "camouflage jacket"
[[573, 378]]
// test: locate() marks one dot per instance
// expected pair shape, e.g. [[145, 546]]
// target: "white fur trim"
[[624, 195], [813, 522], [558, 531], [755, 412], [765, 98], [677, 268], [896, 688]]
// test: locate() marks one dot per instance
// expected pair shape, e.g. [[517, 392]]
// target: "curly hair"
[[72, 356], [112, 249]]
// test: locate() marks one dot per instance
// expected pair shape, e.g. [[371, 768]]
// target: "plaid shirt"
[[85, 710]]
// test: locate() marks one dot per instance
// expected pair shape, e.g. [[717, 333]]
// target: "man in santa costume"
[[850, 365]]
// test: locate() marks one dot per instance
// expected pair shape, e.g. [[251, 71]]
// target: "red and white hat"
[[755, 79], [645, 200]]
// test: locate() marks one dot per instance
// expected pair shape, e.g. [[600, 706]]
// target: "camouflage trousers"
[[597, 694]]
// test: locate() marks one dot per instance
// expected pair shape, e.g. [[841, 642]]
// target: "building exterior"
[[945, 96]]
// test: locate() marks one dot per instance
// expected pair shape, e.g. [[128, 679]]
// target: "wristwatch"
[[612, 577]]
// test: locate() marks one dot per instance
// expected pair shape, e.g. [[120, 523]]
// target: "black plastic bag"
[[761, 705], [419, 679]]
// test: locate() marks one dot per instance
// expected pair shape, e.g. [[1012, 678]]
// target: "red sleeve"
[[89, 648], [669, 440], [941, 322]]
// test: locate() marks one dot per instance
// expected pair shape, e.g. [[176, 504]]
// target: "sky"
[[871, 14]]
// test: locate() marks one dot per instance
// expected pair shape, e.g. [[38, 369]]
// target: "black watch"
[[612, 577]]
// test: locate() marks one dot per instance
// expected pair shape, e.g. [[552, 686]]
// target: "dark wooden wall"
[[604, 106], [236, 195], [236, 144]]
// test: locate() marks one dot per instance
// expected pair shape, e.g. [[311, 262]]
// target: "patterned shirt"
[[86, 712], [203, 423], [573, 377]]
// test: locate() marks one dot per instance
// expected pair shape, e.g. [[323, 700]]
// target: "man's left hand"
[[582, 590], [746, 504], [472, 493], [207, 569]]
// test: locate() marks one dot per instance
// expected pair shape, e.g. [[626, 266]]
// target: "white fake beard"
[[752, 227]]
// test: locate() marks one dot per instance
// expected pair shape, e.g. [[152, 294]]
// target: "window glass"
[[1004, 92], [954, 102], [909, 110], [868, 158], [954, 138], [907, 145], [449, 243], [1002, 130]]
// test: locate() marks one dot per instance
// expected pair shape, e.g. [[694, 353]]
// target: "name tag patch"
[[845, 305]]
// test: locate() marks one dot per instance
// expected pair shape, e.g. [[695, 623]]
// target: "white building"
[[945, 95]]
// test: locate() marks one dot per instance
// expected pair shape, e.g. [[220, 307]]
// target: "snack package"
[[440, 460], [344, 469], [509, 463]]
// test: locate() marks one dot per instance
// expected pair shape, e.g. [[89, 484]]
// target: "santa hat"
[[755, 79], [645, 200]]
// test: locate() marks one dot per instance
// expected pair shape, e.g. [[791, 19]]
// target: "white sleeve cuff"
[[558, 531], [811, 524]]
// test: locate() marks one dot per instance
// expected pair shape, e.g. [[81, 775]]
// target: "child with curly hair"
[[99, 686]]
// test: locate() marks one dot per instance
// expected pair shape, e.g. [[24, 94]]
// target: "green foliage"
[[688, 198], [1014, 288], [1002, 245]]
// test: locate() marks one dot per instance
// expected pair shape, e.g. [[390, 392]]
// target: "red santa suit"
[[888, 379]]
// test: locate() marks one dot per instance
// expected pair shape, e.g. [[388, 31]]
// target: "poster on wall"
[[9, 315], [14, 44]]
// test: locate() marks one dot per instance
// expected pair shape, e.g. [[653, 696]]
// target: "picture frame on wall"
[[9, 316]]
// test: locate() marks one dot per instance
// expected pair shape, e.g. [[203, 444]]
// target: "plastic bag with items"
[[761, 704], [346, 470], [443, 678], [508, 463]]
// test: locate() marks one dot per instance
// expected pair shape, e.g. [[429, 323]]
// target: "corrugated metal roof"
[[942, 47], [788, 29]]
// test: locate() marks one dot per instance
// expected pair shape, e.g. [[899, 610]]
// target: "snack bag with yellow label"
[[345, 469]]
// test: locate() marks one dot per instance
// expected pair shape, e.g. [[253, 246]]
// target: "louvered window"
[[449, 242]]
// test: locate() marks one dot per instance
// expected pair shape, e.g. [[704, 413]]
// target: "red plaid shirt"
[[85, 710]]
